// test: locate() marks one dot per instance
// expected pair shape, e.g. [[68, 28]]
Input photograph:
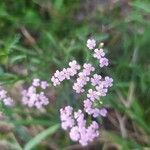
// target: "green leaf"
[[145, 6], [52, 40], [41, 136], [17, 58], [33, 122], [11, 43]]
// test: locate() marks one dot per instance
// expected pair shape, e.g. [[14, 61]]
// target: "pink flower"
[[108, 82], [101, 90], [103, 112], [83, 78], [74, 133], [66, 117], [95, 112], [75, 122], [88, 106], [55, 81], [66, 73], [7, 101], [60, 75], [44, 84], [34, 96], [36, 82], [92, 95], [3, 94], [91, 43], [73, 64], [92, 131], [103, 62], [78, 130], [88, 68], [98, 53], [96, 80]]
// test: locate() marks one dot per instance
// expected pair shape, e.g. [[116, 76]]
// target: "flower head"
[[80, 130], [77, 126], [67, 120], [34, 95], [66, 73]]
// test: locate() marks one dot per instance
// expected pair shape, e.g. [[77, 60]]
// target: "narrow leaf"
[[40, 137]]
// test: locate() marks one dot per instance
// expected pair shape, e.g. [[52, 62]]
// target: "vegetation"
[[37, 37]]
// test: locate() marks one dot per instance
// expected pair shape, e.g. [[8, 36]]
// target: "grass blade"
[[41, 136]]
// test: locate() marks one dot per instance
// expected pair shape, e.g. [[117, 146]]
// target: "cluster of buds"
[[35, 96]]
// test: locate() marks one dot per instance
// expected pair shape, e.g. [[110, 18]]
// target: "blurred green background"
[[39, 36]]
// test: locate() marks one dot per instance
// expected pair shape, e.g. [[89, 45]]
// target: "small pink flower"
[[8, 101], [66, 73], [103, 62], [98, 53], [36, 82], [103, 112], [74, 133], [74, 65], [91, 43], [101, 90], [96, 80], [92, 95], [88, 68], [108, 82], [3, 94], [44, 84]]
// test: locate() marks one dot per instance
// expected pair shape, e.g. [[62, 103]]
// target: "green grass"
[[39, 37]]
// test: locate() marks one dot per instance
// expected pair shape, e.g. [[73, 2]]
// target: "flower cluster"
[[8, 101], [75, 122], [100, 55], [83, 78], [95, 112], [101, 88], [66, 73], [66, 117], [34, 95], [76, 125]]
